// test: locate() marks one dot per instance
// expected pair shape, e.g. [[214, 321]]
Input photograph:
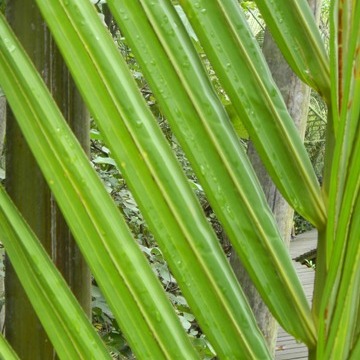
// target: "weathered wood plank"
[[287, 348]]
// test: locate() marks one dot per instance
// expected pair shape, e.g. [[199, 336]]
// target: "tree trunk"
[[296, 95], [29, 191]]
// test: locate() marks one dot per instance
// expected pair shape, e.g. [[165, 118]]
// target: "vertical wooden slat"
[[29, 191]]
